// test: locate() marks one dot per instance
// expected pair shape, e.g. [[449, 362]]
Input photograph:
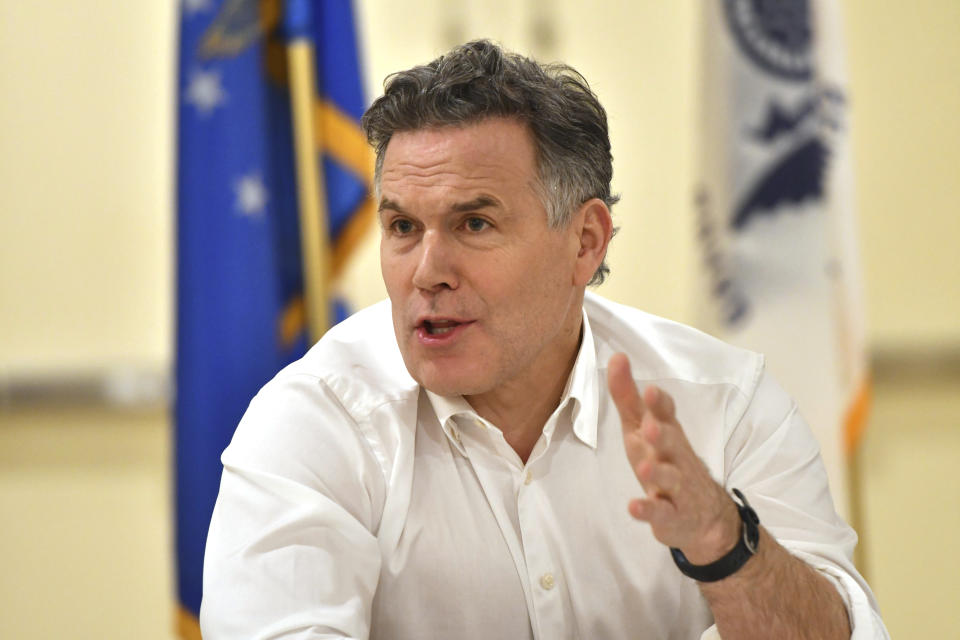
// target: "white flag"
[[775, 209]]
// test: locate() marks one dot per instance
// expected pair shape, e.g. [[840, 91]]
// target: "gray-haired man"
[[494, 452]]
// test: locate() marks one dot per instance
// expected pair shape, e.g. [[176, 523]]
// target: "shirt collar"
[[446, 407], [582, 388]]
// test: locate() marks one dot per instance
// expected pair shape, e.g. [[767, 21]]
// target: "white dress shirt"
[[356, 504]]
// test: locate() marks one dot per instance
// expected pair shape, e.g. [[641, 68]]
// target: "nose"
[[436, 267]]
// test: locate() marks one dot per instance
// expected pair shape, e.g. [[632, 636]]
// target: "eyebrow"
[[480, 202], [386, 204]]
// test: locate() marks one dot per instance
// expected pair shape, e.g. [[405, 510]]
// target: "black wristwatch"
[[736, 558]]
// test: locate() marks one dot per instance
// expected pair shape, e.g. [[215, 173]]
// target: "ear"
[[595, 226]]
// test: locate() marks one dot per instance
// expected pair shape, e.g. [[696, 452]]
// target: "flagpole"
[[310, 183]]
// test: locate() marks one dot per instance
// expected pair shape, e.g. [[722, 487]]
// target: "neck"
[[521, 407]]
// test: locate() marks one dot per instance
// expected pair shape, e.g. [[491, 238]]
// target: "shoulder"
[[345, 402], [358, 360], [664, 349]]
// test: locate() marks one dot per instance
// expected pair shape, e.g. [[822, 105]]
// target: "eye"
[[476, 224], [401, 226]]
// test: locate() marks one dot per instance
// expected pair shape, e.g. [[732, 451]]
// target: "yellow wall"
[[905, 65], [85, 169]]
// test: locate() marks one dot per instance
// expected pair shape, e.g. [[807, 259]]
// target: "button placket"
[[541, 571]]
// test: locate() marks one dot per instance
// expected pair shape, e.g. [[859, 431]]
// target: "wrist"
[[719, 538], [731, 562]]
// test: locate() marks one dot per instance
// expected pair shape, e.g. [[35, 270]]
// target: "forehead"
[[496, 152]]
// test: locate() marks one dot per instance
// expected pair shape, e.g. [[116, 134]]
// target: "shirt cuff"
[[711, 634], [865, 622]]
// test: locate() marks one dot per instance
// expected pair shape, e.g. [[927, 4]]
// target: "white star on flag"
[[195, 6], [251, 195], [205, 92]]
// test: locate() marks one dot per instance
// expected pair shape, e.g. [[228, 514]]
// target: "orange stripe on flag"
[[339, 136], [353, 233], [293, 320], [188, 627], [270, 13], [855, 421]]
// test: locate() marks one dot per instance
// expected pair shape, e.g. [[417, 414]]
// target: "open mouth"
[[440, 327], [437, 330]]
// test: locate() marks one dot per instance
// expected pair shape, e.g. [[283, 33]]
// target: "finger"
[[651, 429], [652, 510], [660, 479], [624, 391], [661, 437], [660, 403]]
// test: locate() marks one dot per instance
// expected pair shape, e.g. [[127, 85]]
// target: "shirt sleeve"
[[291, 551], [773, 458]]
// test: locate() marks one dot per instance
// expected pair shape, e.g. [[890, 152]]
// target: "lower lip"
[[440, 339]]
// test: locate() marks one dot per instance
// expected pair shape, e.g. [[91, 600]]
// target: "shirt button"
[[528, 478], [480, 423], [456, 435], [547, 581]]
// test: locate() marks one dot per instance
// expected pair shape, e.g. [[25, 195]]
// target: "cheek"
[[384, 259], [391, 270], [532, 301]]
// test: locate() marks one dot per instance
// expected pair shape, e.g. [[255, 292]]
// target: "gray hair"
[[478, 80]]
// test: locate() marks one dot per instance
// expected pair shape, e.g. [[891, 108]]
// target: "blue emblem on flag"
[[796, 176], [775, 34]]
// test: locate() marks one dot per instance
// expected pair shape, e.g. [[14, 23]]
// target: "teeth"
[[438, 330], [440, 327]]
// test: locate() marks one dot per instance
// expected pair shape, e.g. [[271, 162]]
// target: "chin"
[[446, 386], [448, 383]]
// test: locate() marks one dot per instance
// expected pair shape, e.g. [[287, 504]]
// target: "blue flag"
[[240, 311]]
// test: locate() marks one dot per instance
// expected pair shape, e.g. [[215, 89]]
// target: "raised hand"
[[685, 507]]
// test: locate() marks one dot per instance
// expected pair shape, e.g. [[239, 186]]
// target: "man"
[[494, 453]]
